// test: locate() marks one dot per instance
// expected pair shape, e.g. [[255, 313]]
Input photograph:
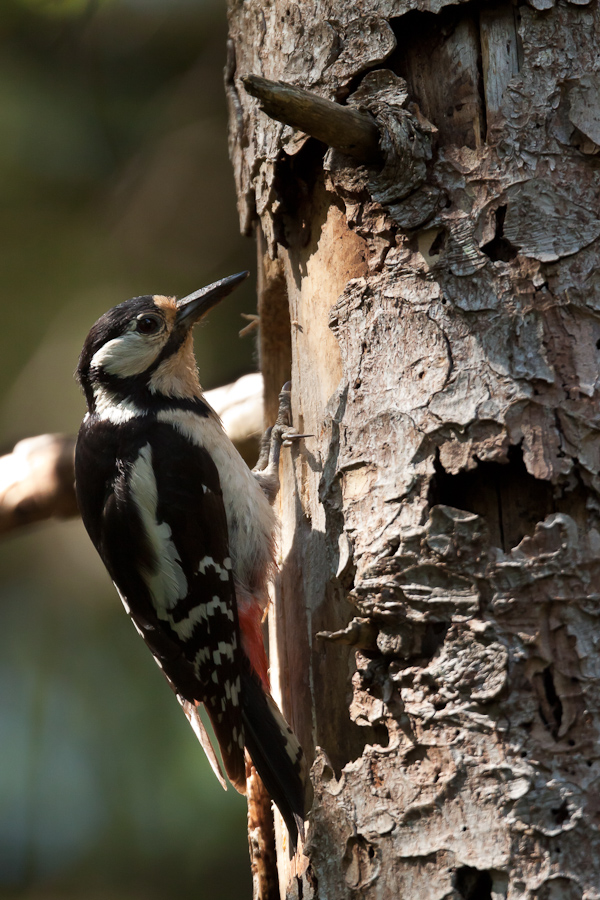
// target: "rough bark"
[[442, 526]]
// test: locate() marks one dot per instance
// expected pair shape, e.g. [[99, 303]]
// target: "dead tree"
[[428, 270]]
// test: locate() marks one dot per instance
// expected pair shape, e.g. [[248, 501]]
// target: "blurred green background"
[[114, 181]]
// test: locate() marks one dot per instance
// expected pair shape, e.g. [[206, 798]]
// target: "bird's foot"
[[282, 434]]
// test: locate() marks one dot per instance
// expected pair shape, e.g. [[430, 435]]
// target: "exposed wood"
[[500, 59], [316, 274], [439, 57], [341, 127], [275, 353]]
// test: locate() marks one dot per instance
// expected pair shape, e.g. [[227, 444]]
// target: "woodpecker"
[[186, 531]]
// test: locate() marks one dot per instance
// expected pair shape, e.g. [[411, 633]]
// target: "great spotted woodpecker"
[[185, 530]]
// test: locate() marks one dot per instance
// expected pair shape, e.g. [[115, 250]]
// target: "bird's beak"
[[191, 308]]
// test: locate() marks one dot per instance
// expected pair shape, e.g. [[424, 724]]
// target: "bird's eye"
[[148, 324]]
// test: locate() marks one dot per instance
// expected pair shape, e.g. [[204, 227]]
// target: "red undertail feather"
[[250, 617]]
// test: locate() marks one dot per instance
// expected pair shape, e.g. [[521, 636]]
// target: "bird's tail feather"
[[275, 752], [192, 714]]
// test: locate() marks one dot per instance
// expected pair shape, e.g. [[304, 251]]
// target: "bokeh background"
[[114, 182]]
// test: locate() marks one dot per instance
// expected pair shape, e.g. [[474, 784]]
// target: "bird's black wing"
[[153, 506]]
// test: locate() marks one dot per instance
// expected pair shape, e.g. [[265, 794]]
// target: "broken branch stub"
[[351, 132]]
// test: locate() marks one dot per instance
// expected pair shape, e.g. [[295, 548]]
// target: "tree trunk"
[[438, 313]]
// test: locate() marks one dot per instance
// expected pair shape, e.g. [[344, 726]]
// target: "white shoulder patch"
[[167, 583]]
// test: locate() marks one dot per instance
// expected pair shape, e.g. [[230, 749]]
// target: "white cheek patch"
[[129, 354]]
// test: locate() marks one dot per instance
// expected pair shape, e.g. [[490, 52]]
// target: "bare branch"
[[240, 406], [36, 481], [342, 127]]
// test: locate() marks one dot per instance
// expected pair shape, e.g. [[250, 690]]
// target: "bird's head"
[[142, 349]]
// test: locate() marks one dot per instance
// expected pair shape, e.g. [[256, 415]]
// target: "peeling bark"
[[435, 617]]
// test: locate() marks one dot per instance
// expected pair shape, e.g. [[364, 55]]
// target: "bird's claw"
[[289, 437], [285, 431], [284, 411], [282, 434]]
